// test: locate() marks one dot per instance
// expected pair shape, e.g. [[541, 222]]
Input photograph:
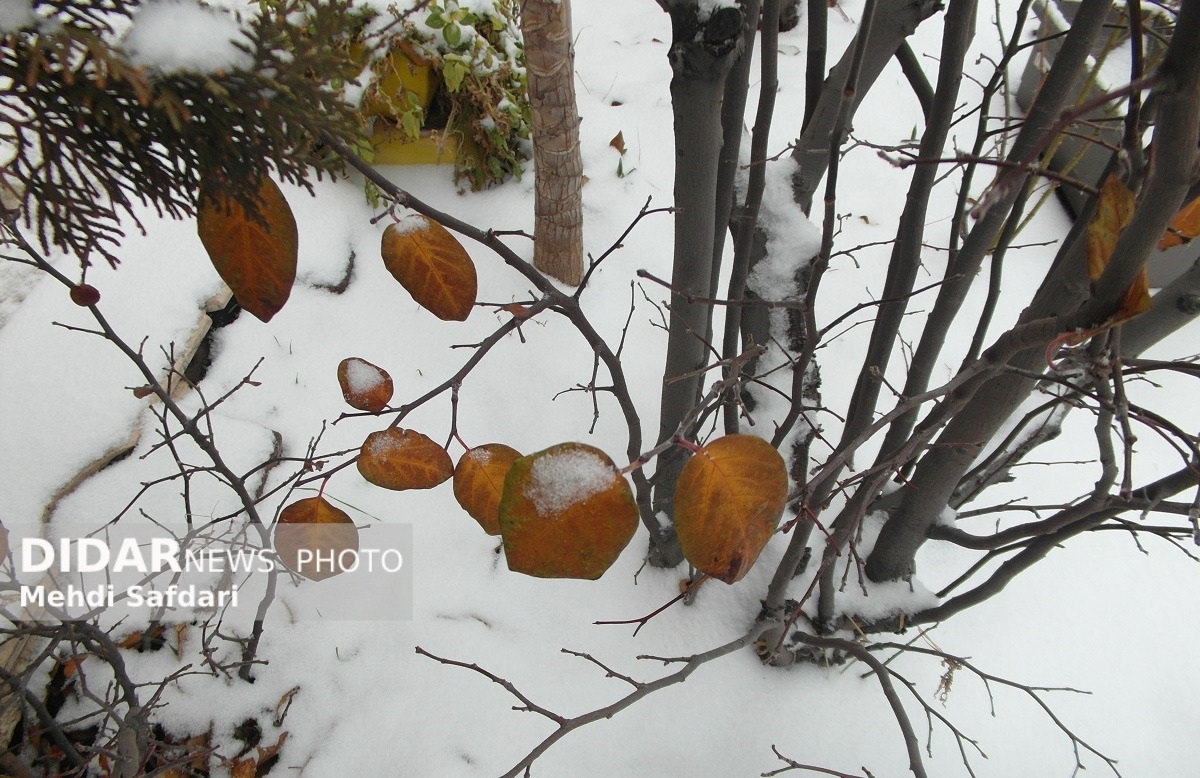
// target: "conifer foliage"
[[93, 133]]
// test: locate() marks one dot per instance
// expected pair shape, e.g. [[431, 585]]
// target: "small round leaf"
[[364, 386]]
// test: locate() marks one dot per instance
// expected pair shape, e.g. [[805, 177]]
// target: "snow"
[[707, 7], [1097, 615], [174, 35], [390, 443], [408, 223], [794, 239], [560, 479], [16, 14], [362, 377], [482, 456]]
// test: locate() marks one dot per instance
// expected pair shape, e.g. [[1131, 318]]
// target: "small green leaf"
[[411, 122], [454, 71]]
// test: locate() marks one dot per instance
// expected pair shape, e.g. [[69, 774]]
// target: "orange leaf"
[[70, 664], [1137, 298], [311, 536], [1114, 209], [403, 459], [260, 765], [517, 310], [141, 640], [255, 254], [618, 143], [566, 512], [479, 482], [432, 265], [1184, 227], [728, 501], [364, 386]]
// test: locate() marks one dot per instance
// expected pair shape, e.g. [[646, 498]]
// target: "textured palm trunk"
[[550, 64]]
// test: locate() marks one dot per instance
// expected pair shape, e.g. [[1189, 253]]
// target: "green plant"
[[480, 59]]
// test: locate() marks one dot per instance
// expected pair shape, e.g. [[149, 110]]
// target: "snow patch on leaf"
[[362, 377], [560, 480], [409, 223], [384, 446]]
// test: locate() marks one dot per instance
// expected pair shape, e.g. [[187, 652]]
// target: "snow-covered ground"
[[1098, 615]]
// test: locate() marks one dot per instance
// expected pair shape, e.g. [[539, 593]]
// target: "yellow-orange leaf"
[[1114, 209], [403, 459], [566, 512], [432, 265], [1184, 227], [255, 254], [728, 501], [1137, 298], [479, 482], [311, 537], [364, 386]]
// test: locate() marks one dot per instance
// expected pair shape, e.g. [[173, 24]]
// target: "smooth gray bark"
[[893, 21], [960, 274], [1174, 306], [1172, 172], [701, 55]]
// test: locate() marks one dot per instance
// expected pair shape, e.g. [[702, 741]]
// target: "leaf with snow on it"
[[400, 459], [432, 265], [364, 385], [566, 512]]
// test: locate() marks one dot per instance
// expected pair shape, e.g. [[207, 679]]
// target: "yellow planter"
[[393, 148], [401, 72]]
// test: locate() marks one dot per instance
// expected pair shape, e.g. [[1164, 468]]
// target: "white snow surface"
[[15, 15], [174, 35], [1097, 615]]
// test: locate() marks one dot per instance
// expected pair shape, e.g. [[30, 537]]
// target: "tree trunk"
[[894, 21], [1172, 172], [1174, 306], [1061, 83], [558, 168], [703, 49]]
